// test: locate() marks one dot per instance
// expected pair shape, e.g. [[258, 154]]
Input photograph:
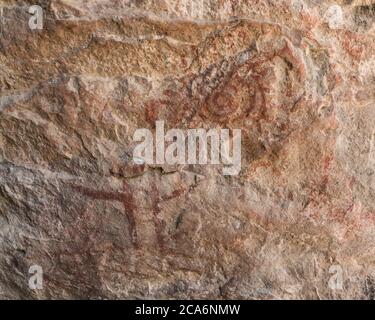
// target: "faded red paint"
[[125, 197]]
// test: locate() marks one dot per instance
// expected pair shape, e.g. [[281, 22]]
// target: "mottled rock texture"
[[298, 77]]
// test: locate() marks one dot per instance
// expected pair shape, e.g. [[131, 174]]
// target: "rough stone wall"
[[298, 77]]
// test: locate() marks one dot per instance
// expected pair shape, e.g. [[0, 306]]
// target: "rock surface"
[[298, 77]]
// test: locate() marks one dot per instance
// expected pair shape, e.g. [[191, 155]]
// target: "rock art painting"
[[81, 81]]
